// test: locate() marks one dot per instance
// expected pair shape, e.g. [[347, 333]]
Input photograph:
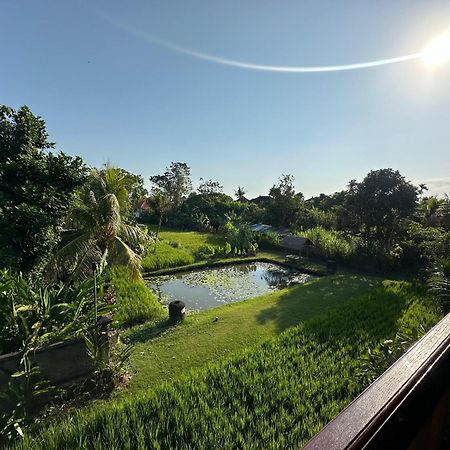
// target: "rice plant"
[[275, 396]]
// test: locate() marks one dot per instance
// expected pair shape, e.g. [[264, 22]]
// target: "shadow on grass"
[[316, 297], [147, 331]]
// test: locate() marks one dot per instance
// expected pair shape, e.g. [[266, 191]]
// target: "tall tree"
[[380, 202], [285, 203], [101, 231], [37, 188], [161, 206], [175, 182], [209, 187]]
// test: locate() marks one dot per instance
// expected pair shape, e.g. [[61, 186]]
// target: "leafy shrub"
[[240, 237], [332, 244], [267, 397], [108, 371], [134, 301], [166, 256], [206, 251], [32, 314], [25, 393], [268, 240], [439, 283]]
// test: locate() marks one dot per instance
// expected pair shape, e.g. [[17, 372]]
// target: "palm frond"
[[121, 254], [83, 268], [134, 235], [67, 255]]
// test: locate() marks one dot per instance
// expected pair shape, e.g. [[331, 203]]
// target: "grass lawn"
[[164, 353], [177, 251], [190, 240], [178, 248]]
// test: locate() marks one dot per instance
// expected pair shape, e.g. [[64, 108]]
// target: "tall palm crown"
[[101, 233]]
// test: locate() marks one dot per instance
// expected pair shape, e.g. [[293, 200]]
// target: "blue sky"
[[108, 94]]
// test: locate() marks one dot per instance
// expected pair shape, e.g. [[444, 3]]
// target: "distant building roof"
[[261, 199], [142, 203], [295, 242]]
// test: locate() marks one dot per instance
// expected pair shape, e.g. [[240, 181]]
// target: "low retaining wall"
[[61, 363]]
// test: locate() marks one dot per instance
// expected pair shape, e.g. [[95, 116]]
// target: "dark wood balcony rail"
[[405, 408]]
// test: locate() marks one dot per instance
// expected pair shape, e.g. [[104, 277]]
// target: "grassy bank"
[[274, 396], [134, 302], [165, 353]]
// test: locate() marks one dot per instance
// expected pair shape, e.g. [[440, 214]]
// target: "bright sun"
[[437, 52]]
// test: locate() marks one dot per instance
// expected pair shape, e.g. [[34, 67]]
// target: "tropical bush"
[[332, 244], [25, 394], [275, 396], [207, 251], [31, 315], [268, 240], [134, 302], [439, 283], [240, 237]]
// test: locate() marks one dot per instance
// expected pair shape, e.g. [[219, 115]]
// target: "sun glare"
[[437, 52]]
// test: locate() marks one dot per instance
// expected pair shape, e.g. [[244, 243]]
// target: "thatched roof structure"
[[295, 243]]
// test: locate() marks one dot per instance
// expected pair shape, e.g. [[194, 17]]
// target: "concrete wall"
[[60, 363]]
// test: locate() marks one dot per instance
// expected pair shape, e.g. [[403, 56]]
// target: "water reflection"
[[205, 289]]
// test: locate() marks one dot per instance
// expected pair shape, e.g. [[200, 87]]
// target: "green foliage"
[[435, 212], [31, 315], [108, 371], [268, 240], [135, 303], [166, 256], [103, 232], [421, 315], [240, 237], [439, 283], [25, 393], [36, 189], [312, 217], [209, 211], [332, 244], [206, 251], [174, 183], [285, 204], [265, 398], [379, 203], [209, 187], [422, 246]]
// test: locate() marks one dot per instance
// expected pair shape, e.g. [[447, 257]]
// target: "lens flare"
[[437, 52]]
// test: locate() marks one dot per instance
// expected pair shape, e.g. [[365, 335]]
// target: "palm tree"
[[100, 232], [240, 193]]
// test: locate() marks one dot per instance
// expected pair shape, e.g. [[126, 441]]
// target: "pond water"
[[208, 288]]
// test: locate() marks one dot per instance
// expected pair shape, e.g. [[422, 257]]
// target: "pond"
[[209, 288]]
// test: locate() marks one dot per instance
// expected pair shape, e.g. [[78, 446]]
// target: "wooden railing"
[[406, 408]]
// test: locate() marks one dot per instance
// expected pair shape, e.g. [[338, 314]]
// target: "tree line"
[[57, 215]]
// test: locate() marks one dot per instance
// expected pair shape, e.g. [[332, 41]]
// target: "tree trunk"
[[157, 233]]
